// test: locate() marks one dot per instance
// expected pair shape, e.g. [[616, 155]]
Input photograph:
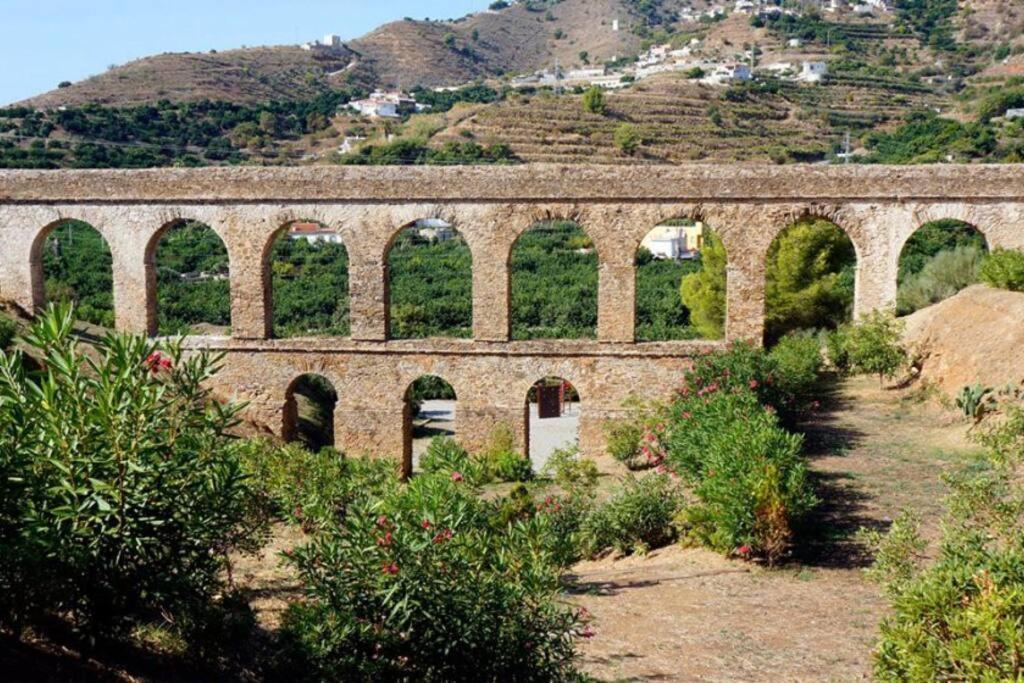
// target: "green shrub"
[[120, 492], [960, 617], [593, 100], [780, 379], [627, 138], [941, 277], [873, 345], [637, 518], [571, 472], [1004, 269], [746, 472], [8, 330], [312, 489], [499, 458], [510, 466], [836, 349], [623, 438], [421, 584], [445, 454], [797, 363]]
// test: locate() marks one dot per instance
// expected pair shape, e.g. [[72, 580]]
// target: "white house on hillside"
[[675, 241], [727, 73], [813, 72], [313, 233]]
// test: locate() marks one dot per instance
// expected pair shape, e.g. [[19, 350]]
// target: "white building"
[[880, 5], [313, 233], [656, 55], [1012, 114], [727, 73], [391, 105], [434, 229], [675, 241], [813, 72], [330, 43], [744, 6], [795, 42]]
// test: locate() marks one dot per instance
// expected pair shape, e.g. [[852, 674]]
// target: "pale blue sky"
[[44, 42]]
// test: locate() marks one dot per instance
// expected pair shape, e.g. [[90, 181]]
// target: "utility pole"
[[846, 148]]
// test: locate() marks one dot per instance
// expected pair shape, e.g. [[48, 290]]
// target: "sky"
[[44, 42]]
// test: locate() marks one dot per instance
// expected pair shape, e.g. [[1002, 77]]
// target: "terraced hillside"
[[681, 120]]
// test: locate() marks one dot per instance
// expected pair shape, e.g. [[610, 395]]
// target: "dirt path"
[[690, 615]]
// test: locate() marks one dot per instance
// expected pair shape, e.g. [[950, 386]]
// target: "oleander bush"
[[961, 616], [121, 493], [423, 582], [637, 518], [8, 331], [310, 488], [746, 473], [1004, 269]]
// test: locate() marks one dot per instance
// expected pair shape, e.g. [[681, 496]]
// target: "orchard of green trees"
[[554, 282]]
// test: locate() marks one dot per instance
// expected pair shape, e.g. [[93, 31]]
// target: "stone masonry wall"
[[879, 207]]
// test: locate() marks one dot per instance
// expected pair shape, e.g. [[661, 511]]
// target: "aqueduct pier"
[[879, 208]]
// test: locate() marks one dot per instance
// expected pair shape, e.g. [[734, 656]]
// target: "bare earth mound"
[[975, 336]]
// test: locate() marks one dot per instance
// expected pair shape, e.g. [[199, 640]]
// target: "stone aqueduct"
[[878, 207]]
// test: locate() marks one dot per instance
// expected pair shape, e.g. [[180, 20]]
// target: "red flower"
[[443, 536], [754, 384], [156, 362], [391, 569], [386, 541], [426, 524], [382, 522], [743, 550], [456, 476], [588, 632]]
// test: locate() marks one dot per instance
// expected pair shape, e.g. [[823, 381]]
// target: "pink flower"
[[382, 522], [391, 569], [588, 632], [425, 524], [456, 476], [754, 384], [386, 541], [443, 536]]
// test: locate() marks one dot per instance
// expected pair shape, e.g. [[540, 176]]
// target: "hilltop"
[[522, 37]]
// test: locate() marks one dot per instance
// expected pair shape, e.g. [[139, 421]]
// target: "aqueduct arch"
[[878, 206]]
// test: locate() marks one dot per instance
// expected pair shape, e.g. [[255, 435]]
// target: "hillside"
[[402, 53], [681, 120], [974, 336], [240, 76]]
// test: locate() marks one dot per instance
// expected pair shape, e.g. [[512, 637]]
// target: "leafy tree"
[[554, 283], [78, 269], [310, 288], [809, 279], [935, 237], [874, 345], [627, 138], [593, 100], [703, 292], [1004, 269], [431, 285], [192, 284], [660, 313]]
